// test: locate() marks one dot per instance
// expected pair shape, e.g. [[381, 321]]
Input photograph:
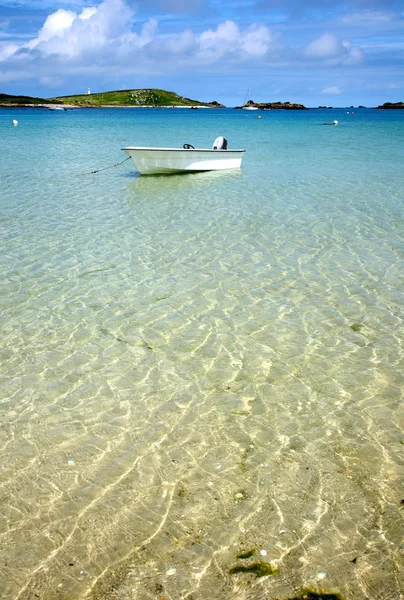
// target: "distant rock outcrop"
[[282, 106], [274, 105], [390, 105]]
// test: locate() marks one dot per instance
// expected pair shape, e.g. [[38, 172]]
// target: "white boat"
[[153, 161], [246, 103]]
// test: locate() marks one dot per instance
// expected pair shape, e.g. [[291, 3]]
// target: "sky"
[[314, 52]]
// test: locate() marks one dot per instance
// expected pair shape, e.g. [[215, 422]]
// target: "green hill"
[[146, 97], [6, 100]]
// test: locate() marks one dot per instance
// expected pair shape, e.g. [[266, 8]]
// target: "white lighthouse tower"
[[88, 91]]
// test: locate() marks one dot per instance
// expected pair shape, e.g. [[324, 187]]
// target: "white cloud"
[[55, 26], [14, 75], [7, 50], [70, 34], [353, 54], [329, 48], [368, 17], [221, 40], [228, 39], [332, 90], [88, 13], [104, 34], [181, 45], [50, 82], [326, 46], [390, 85], [257, 40]]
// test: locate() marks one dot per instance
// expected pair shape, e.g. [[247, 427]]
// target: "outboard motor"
[[220, 143]]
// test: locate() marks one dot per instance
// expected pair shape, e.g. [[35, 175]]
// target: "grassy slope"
[[148, 97], [5, 100]]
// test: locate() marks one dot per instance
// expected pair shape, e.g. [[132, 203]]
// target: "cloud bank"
[[108, 36]]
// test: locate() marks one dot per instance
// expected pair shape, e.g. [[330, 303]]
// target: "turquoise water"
[[195, 365]]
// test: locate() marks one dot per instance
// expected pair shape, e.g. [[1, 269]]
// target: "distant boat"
[[247, 102], [56, 108], [153, 161]]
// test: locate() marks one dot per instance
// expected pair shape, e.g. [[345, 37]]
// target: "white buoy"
[[335, 122], [15, 122]]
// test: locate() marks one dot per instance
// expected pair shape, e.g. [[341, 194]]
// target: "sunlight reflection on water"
[[191, 365]]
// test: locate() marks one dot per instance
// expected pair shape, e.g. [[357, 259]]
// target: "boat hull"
[[154, 161]]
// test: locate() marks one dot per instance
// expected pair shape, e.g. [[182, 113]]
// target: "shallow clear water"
[[193, 365]]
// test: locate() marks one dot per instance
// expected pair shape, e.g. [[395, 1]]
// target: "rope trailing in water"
[[103, 168]]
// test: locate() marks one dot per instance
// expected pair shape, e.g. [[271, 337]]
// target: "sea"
[[201, 375]]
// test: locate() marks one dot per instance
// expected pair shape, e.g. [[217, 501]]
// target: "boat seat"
[[220, 143]]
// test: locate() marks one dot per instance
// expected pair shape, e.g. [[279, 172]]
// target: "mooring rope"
[[103, 168]]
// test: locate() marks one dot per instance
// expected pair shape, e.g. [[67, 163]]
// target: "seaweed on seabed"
[[259, 569], [308, 594], [246, 553]]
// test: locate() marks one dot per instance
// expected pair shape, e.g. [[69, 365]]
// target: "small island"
[[390, 105], [142, 98], [137, 98], [273, 105]]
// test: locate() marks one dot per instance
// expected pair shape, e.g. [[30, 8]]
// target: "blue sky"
[[317, 52]]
